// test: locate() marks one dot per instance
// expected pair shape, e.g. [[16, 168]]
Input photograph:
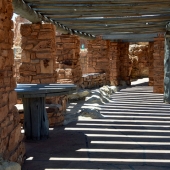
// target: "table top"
[[43, 90]]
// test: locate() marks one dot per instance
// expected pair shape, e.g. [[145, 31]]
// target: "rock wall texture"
[[17, 35], [83, 60], [57, 111], [139, 56], [111, 58], [114, 63], [124, 62], [158, 65], [93, 80], [151, 60], [17, 44], [11, 140], [118, 62], [97, 56], [67, 62], [38, 54]]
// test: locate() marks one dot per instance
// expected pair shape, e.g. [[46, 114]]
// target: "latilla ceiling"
[[128, 20]]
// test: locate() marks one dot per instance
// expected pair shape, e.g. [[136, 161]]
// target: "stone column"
[[158, 65], [38, 54], [67, 62], [114, 63], [83, 60], [11, 140], [167, 67], [97, 57], [125, 66], [151, 61]]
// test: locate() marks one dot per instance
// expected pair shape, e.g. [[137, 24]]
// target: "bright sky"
[[14, 15]]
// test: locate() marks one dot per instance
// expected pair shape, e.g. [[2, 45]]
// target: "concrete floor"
[[134, 135]]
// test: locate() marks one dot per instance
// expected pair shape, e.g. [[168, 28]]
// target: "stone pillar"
[[167, 67], [11, 140], [38, 54], [158, 65], [67, 62], [151, 61], [97, 57], [114, 63], [83, 60], [125, 67]]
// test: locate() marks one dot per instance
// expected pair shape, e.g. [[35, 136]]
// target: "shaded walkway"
[[135, 135]]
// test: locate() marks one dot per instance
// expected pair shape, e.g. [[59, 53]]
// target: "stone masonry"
[[38, 54], [97, 56], [124, 62], [118, 62], [67, 62], [39, 66], [83, 60], [11, 140], [93, 80], [140, 54], [151, 68], [114, 63], [158, 65]]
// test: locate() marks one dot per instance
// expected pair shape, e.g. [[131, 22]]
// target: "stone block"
[[14, 138], [44, 46], [158, 81], [25, 56], [3, 112], [44, 55], [46, 66], [26, 30], [46, 35], [158, 89], [12, 99]]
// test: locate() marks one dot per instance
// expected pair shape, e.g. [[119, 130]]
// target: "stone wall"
[[17, 44], [17, 35], [114, 63], [118, 63], [139, 55], [38, 54], [93, 80], [97, 56], [124, 62], [11, 140], [151, 68], [67, 62], [158, 65], [83, 60]]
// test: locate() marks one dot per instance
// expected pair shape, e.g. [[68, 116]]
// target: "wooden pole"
[[167, 66]]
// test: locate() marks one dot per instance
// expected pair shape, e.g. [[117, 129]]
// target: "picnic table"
[[36, 124]]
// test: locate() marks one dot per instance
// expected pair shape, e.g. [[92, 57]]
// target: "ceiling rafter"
[[25, 11], [104, 17]]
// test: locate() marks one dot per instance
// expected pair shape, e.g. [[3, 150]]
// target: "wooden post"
[[167, 67], [35, 118]]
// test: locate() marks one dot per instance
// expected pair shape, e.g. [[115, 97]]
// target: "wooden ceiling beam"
[[95, 2], [130, 36], [25, 11], [99, 6], [98, 14]]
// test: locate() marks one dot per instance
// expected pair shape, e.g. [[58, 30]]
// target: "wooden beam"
[[130, 36], [96, 2], [167, 66], [21, 8]]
